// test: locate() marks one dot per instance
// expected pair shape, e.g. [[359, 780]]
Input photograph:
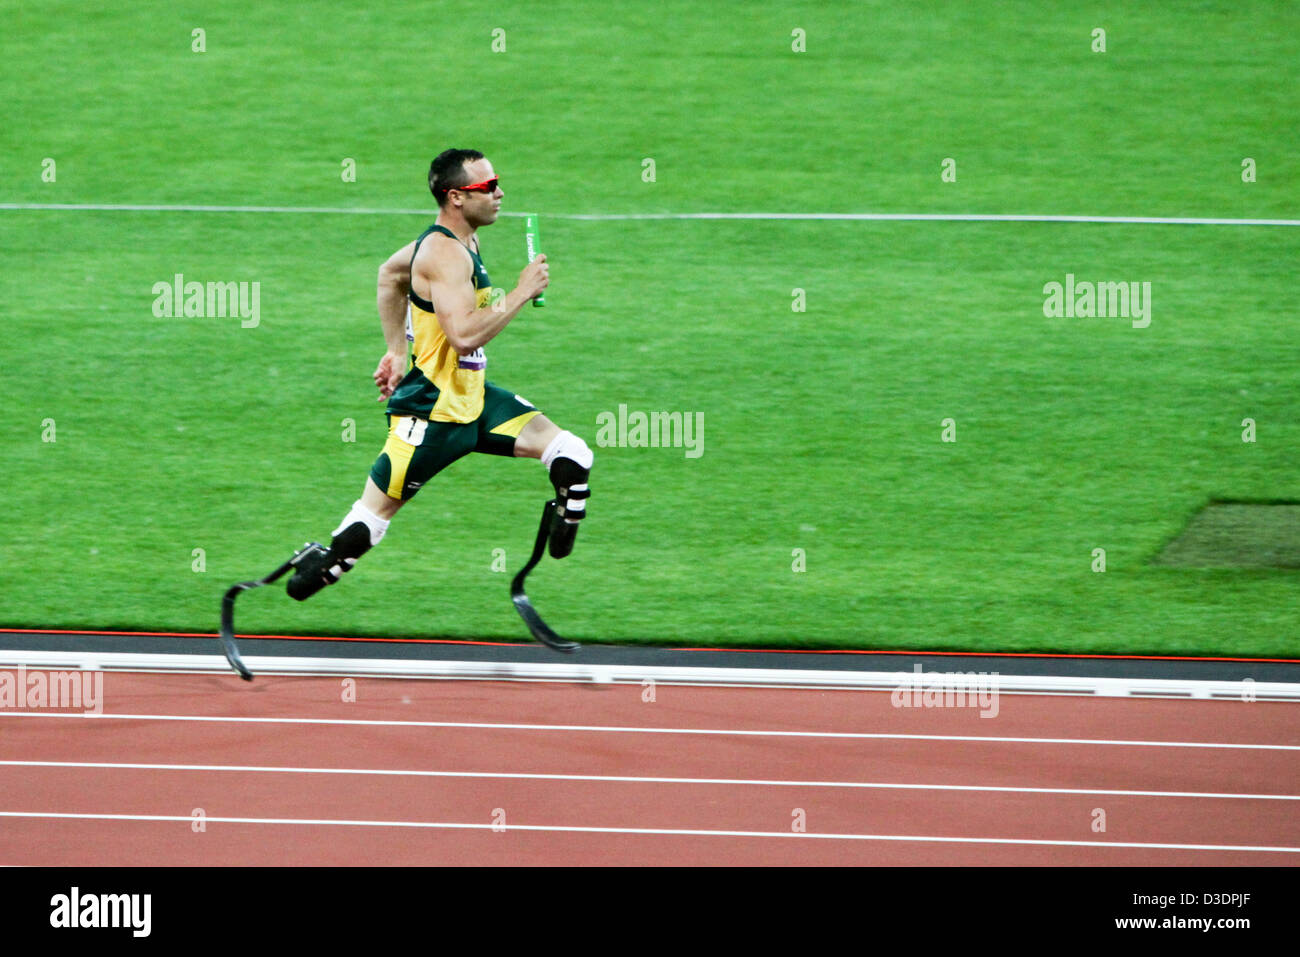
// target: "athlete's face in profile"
[[480, 206]]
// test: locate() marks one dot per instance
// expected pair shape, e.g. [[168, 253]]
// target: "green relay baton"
[[533, 235]]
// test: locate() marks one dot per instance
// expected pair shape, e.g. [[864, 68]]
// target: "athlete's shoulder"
[[441, 254]]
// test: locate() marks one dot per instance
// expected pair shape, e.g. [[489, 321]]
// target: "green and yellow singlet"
[[441, 385]]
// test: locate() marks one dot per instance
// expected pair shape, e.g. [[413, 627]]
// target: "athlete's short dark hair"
[[447, 171]]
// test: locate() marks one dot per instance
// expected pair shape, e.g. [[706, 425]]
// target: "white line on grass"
[[862, 735], [690, 832], [623, 217], [946, 218], [628, 779]]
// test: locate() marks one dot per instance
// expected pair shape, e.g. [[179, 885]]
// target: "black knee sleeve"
[[571, 491], [352, 542], [346, 547], [318, 567]]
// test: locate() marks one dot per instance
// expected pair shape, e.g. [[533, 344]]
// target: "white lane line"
[[627, 217], [859, 735], [633, 779], [692, 832]]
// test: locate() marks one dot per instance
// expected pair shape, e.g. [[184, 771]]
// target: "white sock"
[[569, 446], [360, 513]]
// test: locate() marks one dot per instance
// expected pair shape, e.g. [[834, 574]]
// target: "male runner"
[[442, 407]]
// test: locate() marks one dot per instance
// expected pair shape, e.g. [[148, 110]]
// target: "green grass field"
[[822, 443]]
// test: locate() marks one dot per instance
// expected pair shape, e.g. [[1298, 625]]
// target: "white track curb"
[[956, 681]]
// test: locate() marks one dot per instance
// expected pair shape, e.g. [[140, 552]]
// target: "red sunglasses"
[[487, 186]]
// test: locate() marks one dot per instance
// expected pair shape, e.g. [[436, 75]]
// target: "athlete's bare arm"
[[394, 283], [445, 269]]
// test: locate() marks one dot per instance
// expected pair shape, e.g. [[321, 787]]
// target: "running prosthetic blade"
[[228, 645], [536, 627]]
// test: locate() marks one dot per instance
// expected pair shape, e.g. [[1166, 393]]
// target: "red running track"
[[421, 772]]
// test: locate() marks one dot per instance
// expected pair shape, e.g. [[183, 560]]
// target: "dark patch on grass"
[[1227, 534]]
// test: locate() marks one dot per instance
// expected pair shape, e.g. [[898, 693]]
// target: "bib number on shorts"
[[410, 429]]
